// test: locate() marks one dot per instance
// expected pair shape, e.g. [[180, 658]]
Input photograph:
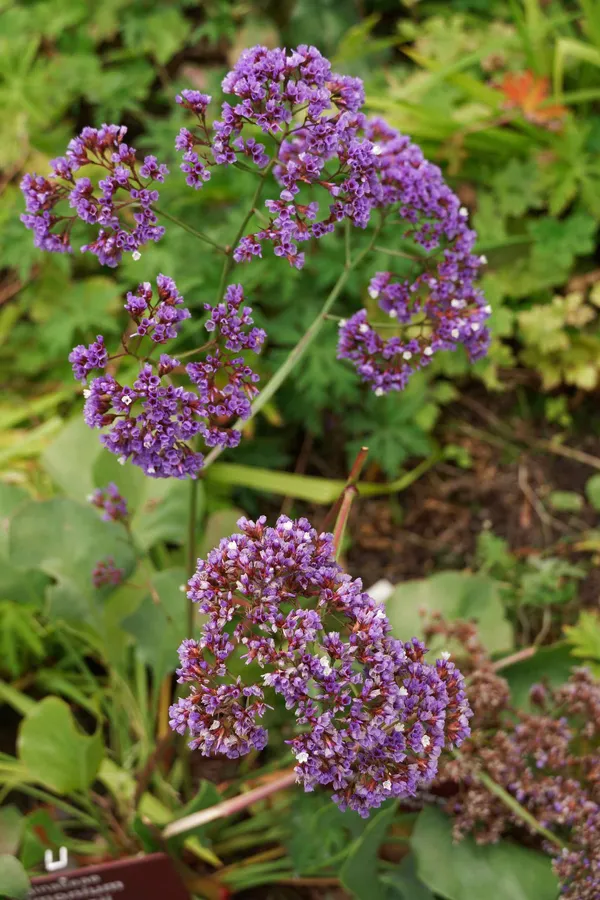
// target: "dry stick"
[[229, 807], [519, 656], [341, 508]]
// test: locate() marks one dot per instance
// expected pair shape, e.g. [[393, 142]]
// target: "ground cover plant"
[[272, 316]]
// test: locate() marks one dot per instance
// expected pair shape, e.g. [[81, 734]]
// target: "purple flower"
[[85, 359], [326, 148], [158, 319], [110, 501], [154, 422], [373, 715], [441, 307], [124, 185]]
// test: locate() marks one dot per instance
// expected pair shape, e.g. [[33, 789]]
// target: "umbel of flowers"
[[373, 715], [331, 165], [154, 422]]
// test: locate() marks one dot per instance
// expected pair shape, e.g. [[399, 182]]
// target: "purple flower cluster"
[[110, 501], [374, 716], [314, 118], [159, 320], [121, 204], [85, 359], [441, 307], [154, 422], [106, 573]]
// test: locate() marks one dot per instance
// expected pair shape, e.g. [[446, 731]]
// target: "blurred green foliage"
[[530, 177]]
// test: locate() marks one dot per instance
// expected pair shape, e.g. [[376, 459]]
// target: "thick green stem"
[[301, 347], [199, 234]]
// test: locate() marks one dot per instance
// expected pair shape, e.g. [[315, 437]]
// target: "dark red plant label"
[[150, 877]]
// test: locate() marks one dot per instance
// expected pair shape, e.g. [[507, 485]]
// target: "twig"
[[229, 807], [341, 508], [519, 656]]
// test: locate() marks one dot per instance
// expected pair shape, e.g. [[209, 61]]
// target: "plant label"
[[151, 877]]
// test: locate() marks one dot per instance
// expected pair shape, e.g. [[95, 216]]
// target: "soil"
[[516, 466]]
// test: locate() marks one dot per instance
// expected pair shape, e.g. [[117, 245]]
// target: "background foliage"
[[84, 671]]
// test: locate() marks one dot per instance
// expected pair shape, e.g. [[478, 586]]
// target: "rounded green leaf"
[[470, 871], [592, 491], [57, 754], [65, 540], [456, 595], [14, 883]]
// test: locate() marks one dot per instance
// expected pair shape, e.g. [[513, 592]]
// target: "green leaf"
[[403, 883], [160, 34], [359, 872], [457, 595], [69, 458], [566, 501], [550, 664], [65, 540], [158, 506], [57, 754], [391, 429], [11, 821], [14, 883], [592, 491], [218, 525], [584, 638], [16, 585], [469, 871], [160, 623]]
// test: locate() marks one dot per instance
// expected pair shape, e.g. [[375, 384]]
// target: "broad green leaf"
[[161, 621], [70, 457], [457, 595], [592, 491], [14, 883], [158, 506], [469, 871], [65, 540], [11, 821], [358, 875], [57, 754], [15, 584], [550, 664], [403, 883], [218, 525]]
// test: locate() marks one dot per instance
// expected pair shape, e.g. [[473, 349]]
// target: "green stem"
[[229, 260], [302, 346], [67, 808], [199, 234], [515, 807]]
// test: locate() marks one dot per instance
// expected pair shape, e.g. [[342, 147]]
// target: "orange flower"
[[527, 92]]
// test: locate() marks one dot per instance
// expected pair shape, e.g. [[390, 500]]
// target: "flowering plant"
[[373, 715]]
